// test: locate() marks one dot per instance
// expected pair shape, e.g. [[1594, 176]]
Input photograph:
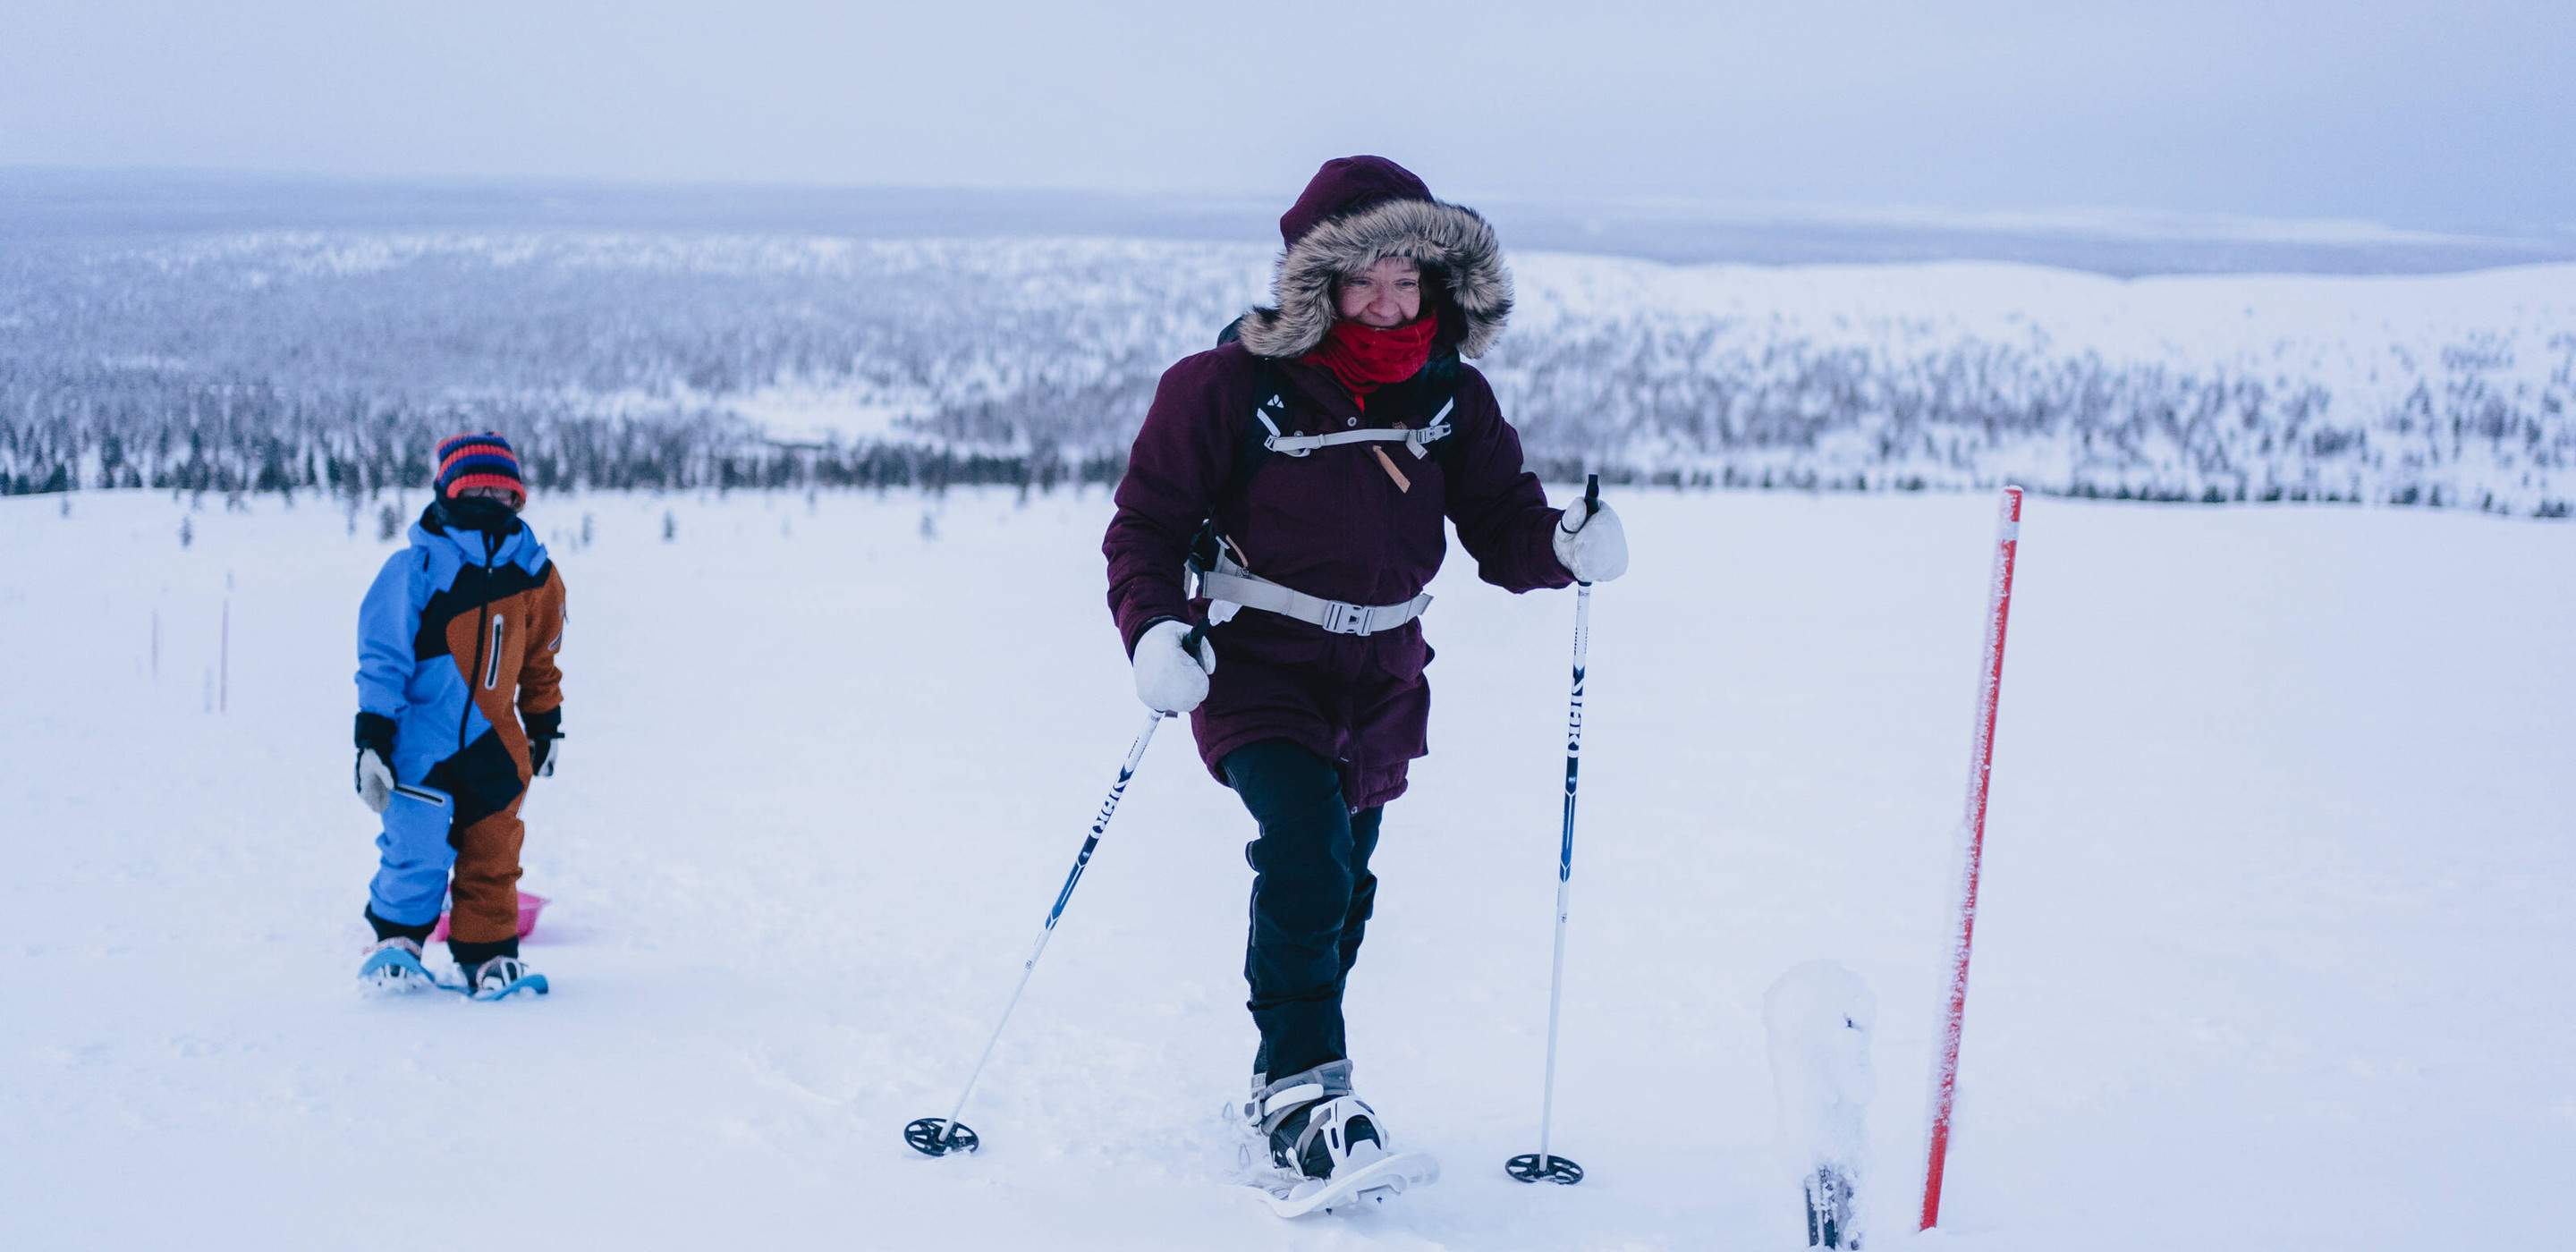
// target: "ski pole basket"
[[930, 1136], [1534, 1167]]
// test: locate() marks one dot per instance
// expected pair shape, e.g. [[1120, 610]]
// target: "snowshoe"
[[503, 976], [393, 967], [1327, 1148]]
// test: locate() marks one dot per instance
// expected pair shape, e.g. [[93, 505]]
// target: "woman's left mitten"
[[1595, 549]]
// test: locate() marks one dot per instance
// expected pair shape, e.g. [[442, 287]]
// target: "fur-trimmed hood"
[[1356, 212]]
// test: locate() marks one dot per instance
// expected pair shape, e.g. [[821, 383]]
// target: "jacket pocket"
[[492, 656], [416, 826], [430, 796]]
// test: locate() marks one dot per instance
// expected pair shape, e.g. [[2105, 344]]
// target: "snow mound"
[[1819, 1016]]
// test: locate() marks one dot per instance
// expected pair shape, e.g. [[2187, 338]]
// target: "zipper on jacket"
[[482, 633], [492, 668]]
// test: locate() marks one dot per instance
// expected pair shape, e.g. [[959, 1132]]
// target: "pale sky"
[[2440, 115]]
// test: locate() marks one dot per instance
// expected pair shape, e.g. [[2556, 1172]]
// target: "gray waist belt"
[[1230, 586]]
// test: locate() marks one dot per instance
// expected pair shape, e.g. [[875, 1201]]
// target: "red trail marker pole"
[[1981, 760]]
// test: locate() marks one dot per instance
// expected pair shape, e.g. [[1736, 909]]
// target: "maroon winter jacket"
[[1334, 523]]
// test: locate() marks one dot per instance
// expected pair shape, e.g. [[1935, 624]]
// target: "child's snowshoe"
[[503, 976], [393, 967]]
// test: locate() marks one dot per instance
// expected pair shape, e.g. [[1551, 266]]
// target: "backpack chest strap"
[[1418, 441]]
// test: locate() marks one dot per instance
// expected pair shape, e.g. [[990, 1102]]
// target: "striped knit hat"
[[483, 460]]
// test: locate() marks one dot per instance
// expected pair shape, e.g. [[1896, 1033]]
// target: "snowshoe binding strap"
[[502, 976], [1260, 1107], [1337, 1134], [394, 965], [1274, 1103]]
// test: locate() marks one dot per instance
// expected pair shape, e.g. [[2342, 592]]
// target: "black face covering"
[[491, 517]]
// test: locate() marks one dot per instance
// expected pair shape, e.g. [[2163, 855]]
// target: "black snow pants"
[[1312, 894]]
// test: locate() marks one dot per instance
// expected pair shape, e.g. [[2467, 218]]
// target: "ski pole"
[[934, 1136], [1542, 1164]]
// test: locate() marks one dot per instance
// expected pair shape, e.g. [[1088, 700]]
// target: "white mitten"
[[375, 780], [1594, 549], [1167, 676]]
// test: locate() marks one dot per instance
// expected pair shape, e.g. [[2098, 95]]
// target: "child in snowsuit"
[[456, 653]]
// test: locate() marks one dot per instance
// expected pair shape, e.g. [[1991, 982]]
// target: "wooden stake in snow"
[[1972, 834]]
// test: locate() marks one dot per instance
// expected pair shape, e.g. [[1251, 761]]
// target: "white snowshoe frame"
[[1366, 1175]]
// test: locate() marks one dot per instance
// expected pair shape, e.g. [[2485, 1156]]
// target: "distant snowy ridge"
[[283, 361], [2448, 389]]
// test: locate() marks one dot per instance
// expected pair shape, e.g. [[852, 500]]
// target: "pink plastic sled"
[[529, 906]]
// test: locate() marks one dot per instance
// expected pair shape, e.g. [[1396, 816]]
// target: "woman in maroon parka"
[[1301, 471]]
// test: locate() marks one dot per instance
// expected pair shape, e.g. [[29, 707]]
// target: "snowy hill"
[[2276, 888], [332, 361]]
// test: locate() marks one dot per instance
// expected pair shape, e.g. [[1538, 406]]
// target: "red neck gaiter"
[[1366, 358]]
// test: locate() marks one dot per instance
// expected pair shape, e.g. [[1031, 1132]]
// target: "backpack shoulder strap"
[[1251, 450], [1433, 394], [1269, 417]]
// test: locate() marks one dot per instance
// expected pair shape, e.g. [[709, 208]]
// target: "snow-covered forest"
[[333, 361]]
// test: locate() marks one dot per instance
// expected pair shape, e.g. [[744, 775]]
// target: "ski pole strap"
[[1232, 584], [1418, 441]]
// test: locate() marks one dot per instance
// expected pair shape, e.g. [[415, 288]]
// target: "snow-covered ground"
[[2275, 952]]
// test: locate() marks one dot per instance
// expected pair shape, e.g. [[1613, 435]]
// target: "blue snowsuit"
[[456, 643]]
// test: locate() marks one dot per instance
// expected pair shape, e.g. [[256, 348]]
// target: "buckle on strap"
[[1419, 441], [1229, 586]]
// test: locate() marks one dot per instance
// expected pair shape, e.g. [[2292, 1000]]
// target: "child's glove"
[[1167, 676], [375, 736], [545, 730], [1595, 548], [375, 781]]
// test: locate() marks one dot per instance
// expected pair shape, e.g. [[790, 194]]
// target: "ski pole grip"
[[1190, 642], [1591, 496]]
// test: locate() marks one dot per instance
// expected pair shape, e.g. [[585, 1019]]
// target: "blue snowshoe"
[[503, 976], [393, 967]]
